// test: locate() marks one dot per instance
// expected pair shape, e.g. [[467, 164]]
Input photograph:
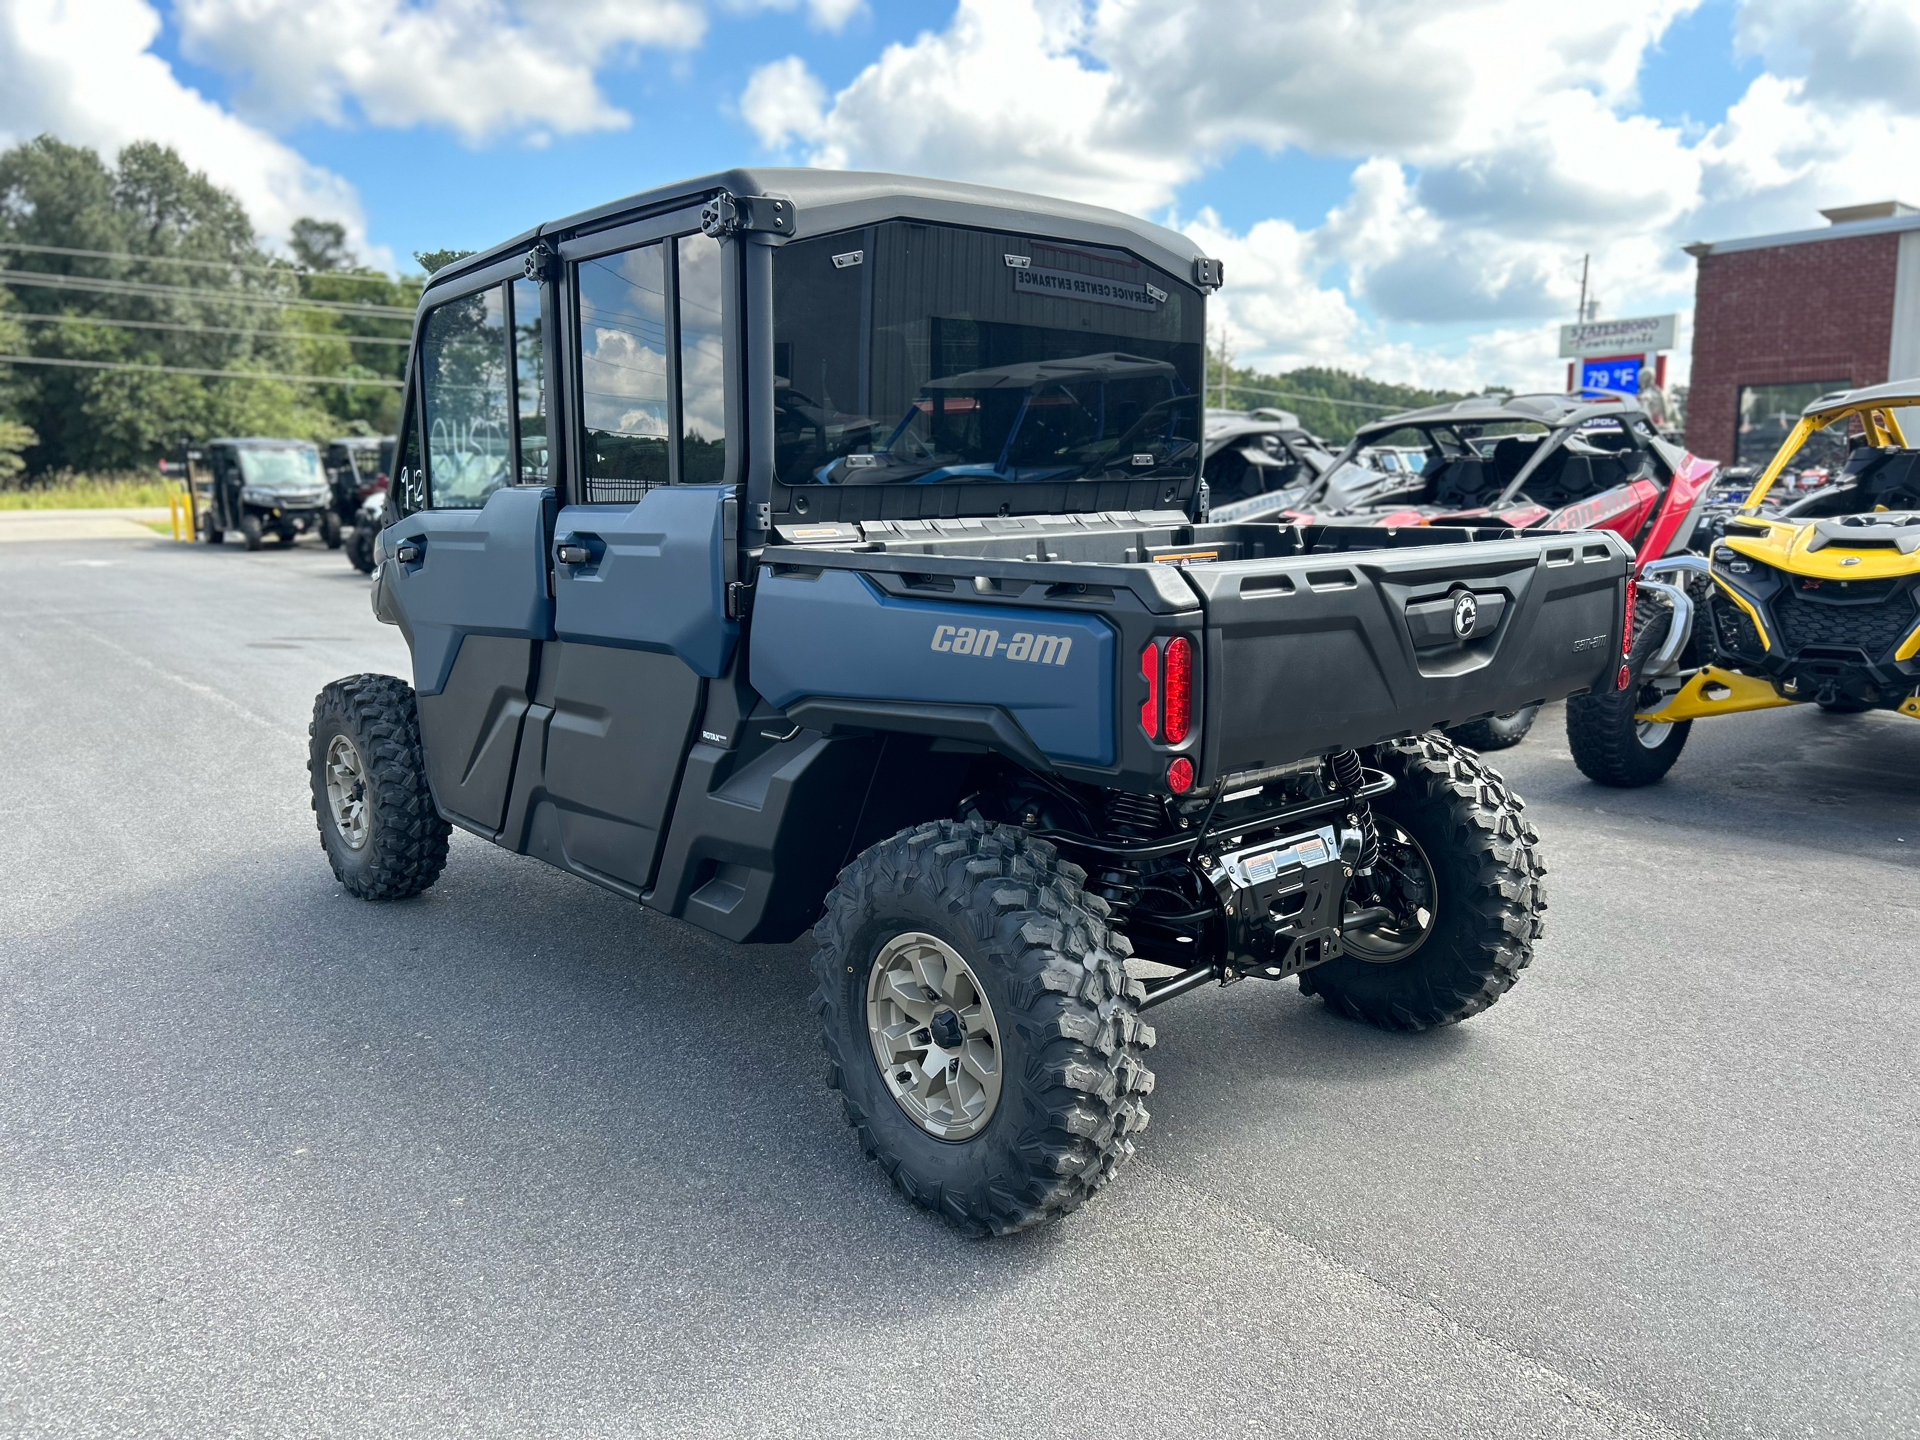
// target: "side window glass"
[[703, 414], [464, 366], [409, 486], [529, 383], [623, 373]]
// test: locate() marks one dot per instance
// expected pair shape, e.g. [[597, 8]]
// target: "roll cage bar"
[[1874, 404]]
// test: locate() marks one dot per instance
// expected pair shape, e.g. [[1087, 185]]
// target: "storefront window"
[[1769, 412]]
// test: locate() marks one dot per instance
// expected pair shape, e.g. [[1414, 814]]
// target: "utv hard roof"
[[1897, 393], [825, 201], [1553, 411], [264, 442]]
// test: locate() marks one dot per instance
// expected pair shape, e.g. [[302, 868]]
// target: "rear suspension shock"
[[1349, 777]]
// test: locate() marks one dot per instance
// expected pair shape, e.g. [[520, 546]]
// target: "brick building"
[[1780, 319]]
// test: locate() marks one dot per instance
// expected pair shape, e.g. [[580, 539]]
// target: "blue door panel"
[[657, 577], [835, 635], [480, 572]]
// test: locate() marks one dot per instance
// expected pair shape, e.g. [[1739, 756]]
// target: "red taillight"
[[1150, 711], [1179, 691], [1626, 624], [1180, 776]]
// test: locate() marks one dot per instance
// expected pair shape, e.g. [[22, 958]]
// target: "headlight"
[[254, 495]]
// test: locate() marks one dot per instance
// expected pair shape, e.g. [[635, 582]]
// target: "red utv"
[[1517, 462]]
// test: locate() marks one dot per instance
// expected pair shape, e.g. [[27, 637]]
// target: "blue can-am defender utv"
[[791, 549]]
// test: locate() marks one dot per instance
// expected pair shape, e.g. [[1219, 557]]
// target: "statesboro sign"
[[1617, 337]]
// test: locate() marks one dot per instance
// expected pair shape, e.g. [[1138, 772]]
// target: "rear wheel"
[[1845, 705], [1459, 880], [330, 530], [1608, 744], [378, 826], [1496, 732], [251, 531], [286, 535], [980, 1025], [210, 532]]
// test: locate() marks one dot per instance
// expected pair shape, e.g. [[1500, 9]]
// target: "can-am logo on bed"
[[987, 644]]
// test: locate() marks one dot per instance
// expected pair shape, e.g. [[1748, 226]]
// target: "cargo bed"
[[1309, 639]]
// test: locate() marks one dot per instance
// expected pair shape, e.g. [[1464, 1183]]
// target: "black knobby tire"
[[1606, 740], [1488, 896], [360, 550], [1495, 732], [286, 535], [1845, 705], [210, 532], [1073, 1043], [406, 845], [251, 531], [330, 530]]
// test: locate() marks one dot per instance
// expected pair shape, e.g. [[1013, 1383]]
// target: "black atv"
[[259, 487]]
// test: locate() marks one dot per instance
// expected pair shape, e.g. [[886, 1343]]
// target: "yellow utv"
[[1813, 601]]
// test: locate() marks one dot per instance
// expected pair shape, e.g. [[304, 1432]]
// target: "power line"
[[42, 280], [191, 370], [202, 329], [1299, 395], [291, 270]]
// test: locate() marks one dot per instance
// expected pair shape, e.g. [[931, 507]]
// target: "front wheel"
[[980, 1025], [1496, 732], [1609, 745], [330, 530], [1456, 897], [378, 826], [251, 531]]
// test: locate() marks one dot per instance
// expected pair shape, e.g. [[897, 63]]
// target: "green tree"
[[1330, 403], [184, 284], [320, 245], [434, 261]]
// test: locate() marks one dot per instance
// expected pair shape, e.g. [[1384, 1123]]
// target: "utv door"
[[466, 573], [642, 559]]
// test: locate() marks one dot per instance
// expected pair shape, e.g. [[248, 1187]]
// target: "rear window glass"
[[921, 354]]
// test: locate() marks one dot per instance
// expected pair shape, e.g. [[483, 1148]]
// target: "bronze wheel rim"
[[934, 1036]]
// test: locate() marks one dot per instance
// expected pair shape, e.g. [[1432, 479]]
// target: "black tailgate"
[[1311, 653]]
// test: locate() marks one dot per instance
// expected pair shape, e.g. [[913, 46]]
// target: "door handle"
[[571, 554], [408, 552]]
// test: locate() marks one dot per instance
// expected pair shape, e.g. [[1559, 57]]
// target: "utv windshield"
[[921, 354], [277, 469]]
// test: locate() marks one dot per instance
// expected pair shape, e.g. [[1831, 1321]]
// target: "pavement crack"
[[1596, 1402], [206, 692]]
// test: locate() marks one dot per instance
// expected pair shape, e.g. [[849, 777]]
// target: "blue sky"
[[1403, 190]]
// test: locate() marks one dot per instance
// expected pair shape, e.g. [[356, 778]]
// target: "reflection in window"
[[463, 357], [920, 354], [530, 382], [703, 446], [1769, 412], [623, 373]]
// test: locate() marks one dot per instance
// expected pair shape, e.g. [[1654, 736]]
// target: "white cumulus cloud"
[[85, 74], [479, 67], [1495, 142]]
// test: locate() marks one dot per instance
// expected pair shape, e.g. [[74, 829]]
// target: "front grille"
[[1734, 630], [1874, 628]]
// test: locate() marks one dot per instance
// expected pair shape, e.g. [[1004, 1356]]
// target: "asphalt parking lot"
[[518, 1158]]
